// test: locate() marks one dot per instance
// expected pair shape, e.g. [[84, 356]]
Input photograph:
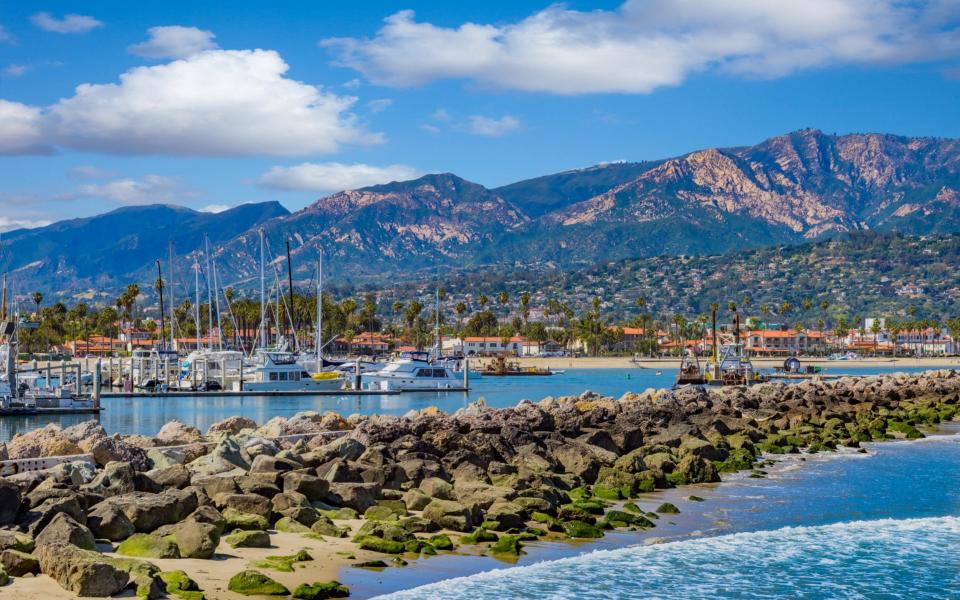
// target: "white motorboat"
[[279, 371], [413, 373]]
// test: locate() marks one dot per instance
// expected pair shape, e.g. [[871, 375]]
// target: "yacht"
[[279, 371], [411, 373]]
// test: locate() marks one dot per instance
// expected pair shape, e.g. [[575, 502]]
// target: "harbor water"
[[883, 525], [147, 414]]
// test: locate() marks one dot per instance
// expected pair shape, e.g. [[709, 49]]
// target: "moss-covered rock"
[[377, 544], [245, 521], [906, 430], [248, 539], [507, 545], [319, 591], [738, 459], [288, 525], [179, 584], [370, 564], [255, 583], [581, 529], [18, 563], [344, 513], [441, 541], [668, 508], [144, 545], [283, 562], [325, 526], [479, 535]]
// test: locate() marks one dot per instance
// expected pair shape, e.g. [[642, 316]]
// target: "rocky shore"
[[148, 513]]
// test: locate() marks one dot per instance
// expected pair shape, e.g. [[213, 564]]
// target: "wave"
[[888, 558]]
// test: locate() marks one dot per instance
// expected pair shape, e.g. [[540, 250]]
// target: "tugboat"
[[501, 368]]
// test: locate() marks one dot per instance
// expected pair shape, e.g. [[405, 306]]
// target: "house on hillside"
[[493, 346]]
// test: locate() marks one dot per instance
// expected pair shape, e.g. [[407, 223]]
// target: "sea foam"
[[888, 558]]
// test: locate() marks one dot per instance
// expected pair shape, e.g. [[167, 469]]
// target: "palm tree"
[[503, 298], [37, 299], [460, 309], [525, 306], [875, 330], [483, 301]]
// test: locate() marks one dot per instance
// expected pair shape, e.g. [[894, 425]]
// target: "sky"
[[210, 105]]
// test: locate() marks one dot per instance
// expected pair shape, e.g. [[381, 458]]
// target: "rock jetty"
[[423, 483]]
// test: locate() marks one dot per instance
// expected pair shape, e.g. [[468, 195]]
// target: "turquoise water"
[[148, 414], [883, 525]]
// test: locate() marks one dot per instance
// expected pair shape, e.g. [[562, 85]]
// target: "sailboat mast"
[[320, 311], [163, 342], [263, 293], [196, 305], [216, 294], [437, 325], [172, 302], [293, 323], [206, 252]]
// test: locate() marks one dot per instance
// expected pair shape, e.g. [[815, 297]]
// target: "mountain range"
[[801, 186]]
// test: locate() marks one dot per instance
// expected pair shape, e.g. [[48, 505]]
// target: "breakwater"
[[487, 479]]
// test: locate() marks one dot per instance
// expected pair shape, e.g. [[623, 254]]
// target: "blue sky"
[[105, 104]]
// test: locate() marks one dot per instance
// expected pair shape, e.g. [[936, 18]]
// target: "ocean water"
[[146, 415], [881, 525]]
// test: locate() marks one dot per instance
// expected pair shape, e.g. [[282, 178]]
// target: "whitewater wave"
[[888, 558]]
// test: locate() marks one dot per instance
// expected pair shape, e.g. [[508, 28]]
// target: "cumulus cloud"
[[68, 24], [174, 41], [215, 103], [379, 105], [491, 126], [332, 176], [9, 224], [151, 189], [21, 129], [647, 44], [15, 70]]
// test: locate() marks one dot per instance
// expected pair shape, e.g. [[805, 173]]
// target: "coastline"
[[658, 425]]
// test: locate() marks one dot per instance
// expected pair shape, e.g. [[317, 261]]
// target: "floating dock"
[[66, 410]]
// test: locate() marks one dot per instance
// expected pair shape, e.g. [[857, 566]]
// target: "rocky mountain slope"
[[796, 187]]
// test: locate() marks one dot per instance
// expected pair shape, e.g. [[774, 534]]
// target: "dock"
[[32, 411]]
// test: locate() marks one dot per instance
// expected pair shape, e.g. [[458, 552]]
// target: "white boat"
[[411, 374], [279, 371], [211, 368]]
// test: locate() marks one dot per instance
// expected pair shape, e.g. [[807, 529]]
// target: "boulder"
[[18, 563], [285, 500], [254, 583], [265, 463], [161, 458], [85, 434], [83, 572], [245, 503], [9, 502], [15, 541], [115, 479], [437, 488], [358, 496], [145, 545], [176, 433], [210, 515], [448, 514], [694, 469], [193, 539], [508, 515], [244, 521], [113, 449], [248, 539], [415, 499], [175, 475], [46, 441], [232, 425], [147, 511], [63, 528], [309, 485], [108, 521], [37, 518]]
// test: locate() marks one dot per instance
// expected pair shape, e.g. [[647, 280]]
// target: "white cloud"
[[21, 129], [6, 37], [647, 44], [174, 41], [379, 105], [491, 126], [68, 24], [214, 208], [9, 224], [15, 70], [332, 176], [216, 103], [89, 172], [151, 189]]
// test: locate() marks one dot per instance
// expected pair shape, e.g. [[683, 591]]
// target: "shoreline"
[[574, 461]]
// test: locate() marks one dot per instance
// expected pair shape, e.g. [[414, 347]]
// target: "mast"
[[216, 294], [263, 302], [293, 324], [206, 252], [320, 311], [436, 327], [163, 342], [172, 302], [196, 306]]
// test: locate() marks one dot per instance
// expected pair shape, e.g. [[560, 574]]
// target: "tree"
[[37, 299], [460, 309], [413, 312], [483, 301], [875, 330]]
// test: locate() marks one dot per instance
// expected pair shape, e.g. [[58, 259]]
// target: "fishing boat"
[[412, 373], [500, 367], [731, 366]]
